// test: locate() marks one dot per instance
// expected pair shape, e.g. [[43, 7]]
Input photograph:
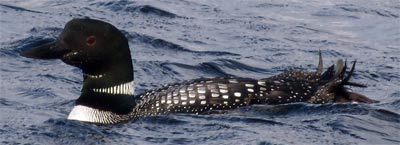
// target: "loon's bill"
[[103, 54]]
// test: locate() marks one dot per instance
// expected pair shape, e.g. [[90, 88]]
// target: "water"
[[180, 40]]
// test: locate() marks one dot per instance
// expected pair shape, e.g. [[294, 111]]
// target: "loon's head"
[[88, 45], [103, 54]]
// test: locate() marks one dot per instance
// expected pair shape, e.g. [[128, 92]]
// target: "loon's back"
[[200, 95]]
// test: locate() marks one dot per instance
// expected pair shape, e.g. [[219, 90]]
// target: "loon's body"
[[103, 54]]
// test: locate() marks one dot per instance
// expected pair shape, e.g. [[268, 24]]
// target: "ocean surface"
[[178, 40]]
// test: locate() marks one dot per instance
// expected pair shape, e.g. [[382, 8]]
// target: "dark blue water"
[[180, 40]]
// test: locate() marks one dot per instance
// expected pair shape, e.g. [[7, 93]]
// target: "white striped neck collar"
[[121, 89], [94, 76]]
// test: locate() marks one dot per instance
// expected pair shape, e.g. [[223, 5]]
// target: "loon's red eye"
[[91, 41]]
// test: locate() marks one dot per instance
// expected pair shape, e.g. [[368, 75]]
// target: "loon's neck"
[[106, 94], [112, 83]]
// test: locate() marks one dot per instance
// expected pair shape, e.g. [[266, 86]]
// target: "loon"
[[107, 96]]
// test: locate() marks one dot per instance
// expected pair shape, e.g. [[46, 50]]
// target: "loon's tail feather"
[[320, 63], [334, 89], [347, 78], [341, 70], [328, 74], [333, 73]]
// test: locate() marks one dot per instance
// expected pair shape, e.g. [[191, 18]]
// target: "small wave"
[[386, 115], [231, 64], [365, 128], [203, 68], [271, 5], [237, 115], [156, 139], [158, 43], [18, 8], [354, 8], [217, 68], [6, 103], [147, 9], [395, 104], [329, 12], [164, 119], [130, 7], [263, 121], [70, 132], [37, 93], [166, 45], [307, 109], [339, 126]]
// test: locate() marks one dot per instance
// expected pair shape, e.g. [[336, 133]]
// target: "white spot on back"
[[202, 97], [223, 90], [182, 90], [214, 90], [214, 95], [223, 86], [184, 98], [237, 94], [192, 95], [201, 90], [233, 81], [261, 83]]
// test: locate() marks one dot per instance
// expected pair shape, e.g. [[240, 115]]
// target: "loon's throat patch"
[[121, 89]]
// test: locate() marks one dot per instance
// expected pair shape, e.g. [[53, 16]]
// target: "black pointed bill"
[[51, 50]]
